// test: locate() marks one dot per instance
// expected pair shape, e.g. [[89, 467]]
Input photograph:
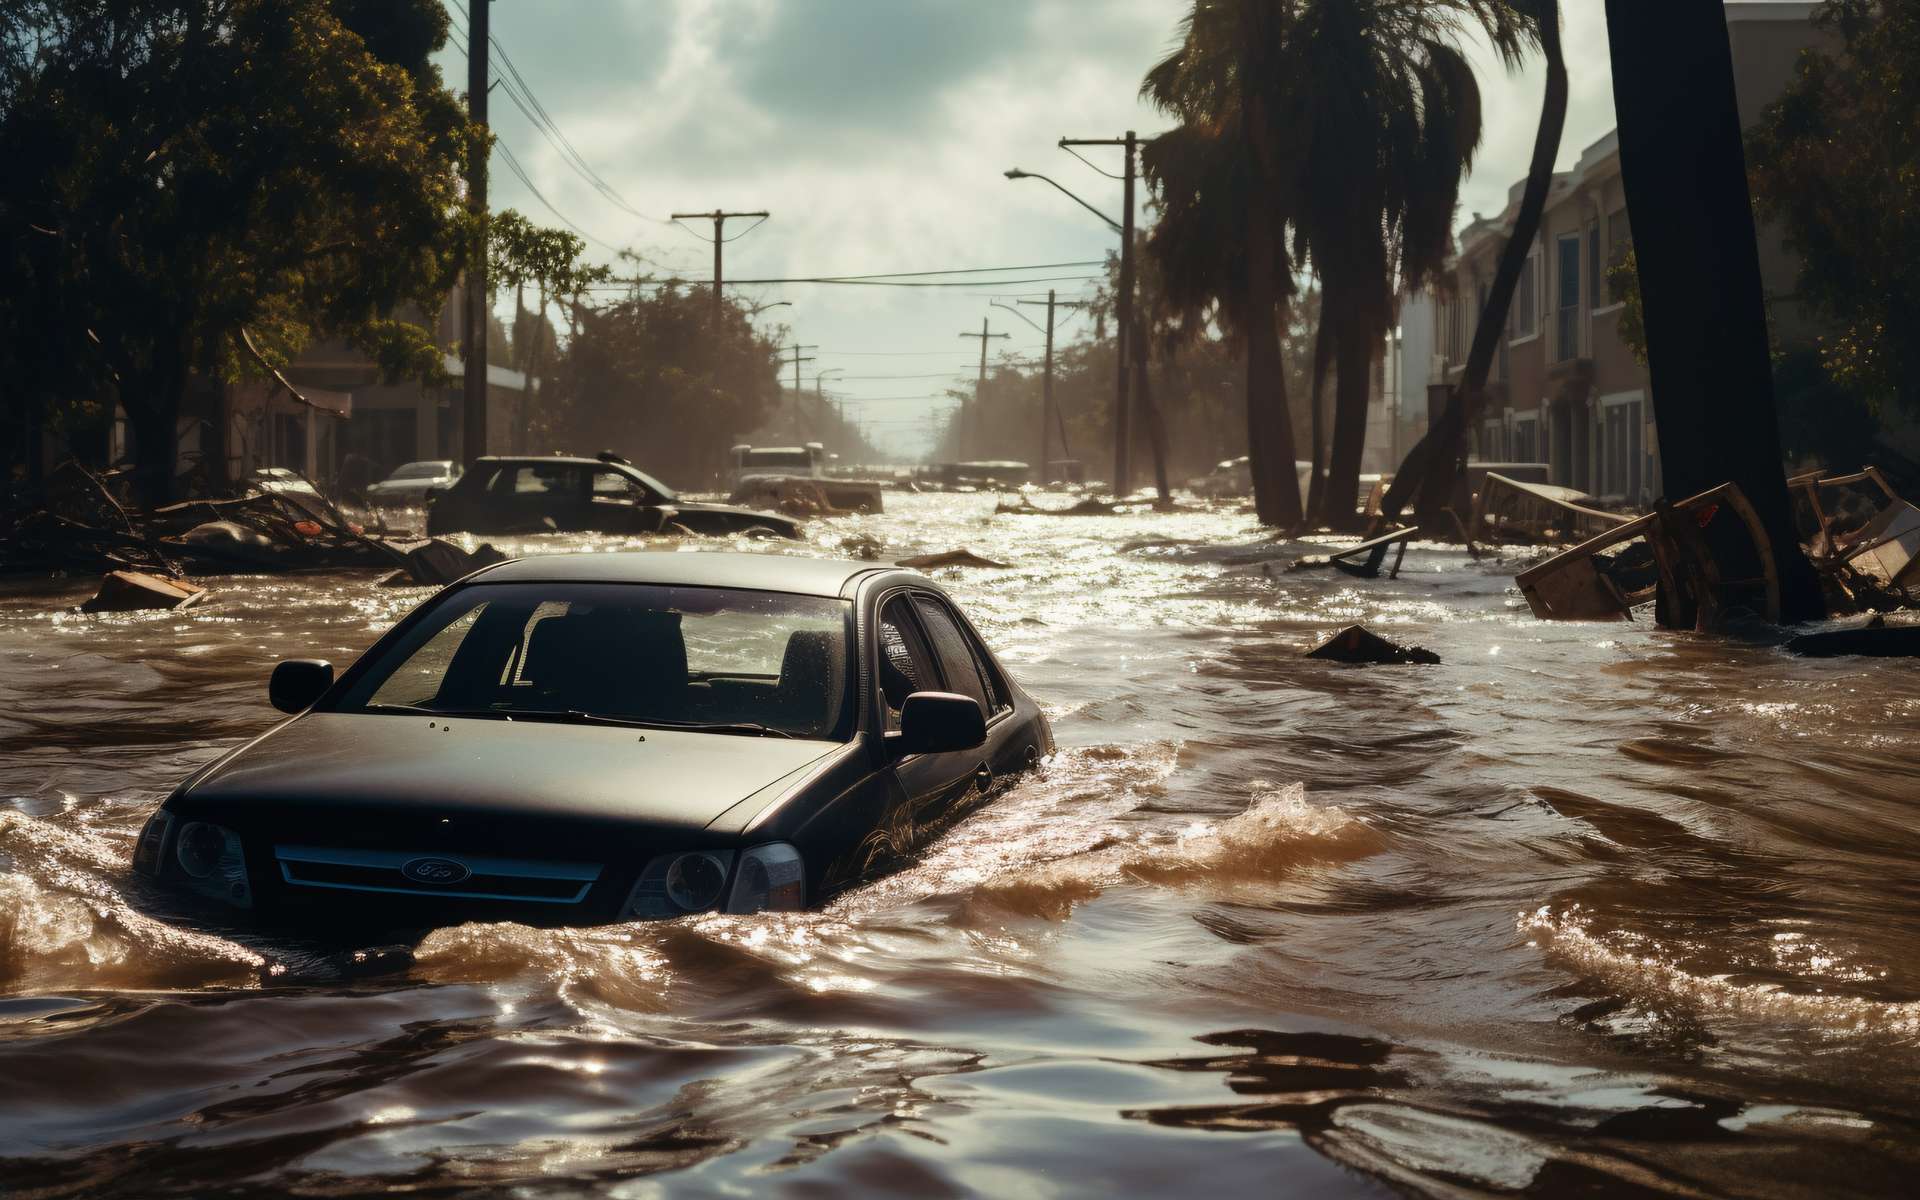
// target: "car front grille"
[[443, 876]]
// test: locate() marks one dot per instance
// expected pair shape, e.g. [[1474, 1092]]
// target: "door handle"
[[983, 778]]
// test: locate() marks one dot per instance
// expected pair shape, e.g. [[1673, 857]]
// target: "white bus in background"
[[794, 462]]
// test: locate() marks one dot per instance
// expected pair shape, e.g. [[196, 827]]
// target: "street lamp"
[[757, 309], [1017, 173]]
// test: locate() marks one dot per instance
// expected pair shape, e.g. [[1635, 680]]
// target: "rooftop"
[[689, 568]]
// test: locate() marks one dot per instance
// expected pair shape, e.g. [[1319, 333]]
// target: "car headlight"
[[153, 836], [214, 863], [674, 885], [773, 876]]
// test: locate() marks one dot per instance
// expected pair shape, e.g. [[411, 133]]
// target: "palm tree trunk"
[[1270, 453], [1353, 367], [1322, 359], [1684, 170], [1433, 465]]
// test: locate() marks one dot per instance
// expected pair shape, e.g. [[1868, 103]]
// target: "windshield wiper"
[[423, 710], [583, 717]]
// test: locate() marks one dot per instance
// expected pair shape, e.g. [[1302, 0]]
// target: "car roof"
[[692, 568], [558, 459]]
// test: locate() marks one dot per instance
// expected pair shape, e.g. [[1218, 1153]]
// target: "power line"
[[523, 97]]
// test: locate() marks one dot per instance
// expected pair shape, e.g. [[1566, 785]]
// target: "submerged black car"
[[603, 737], [574, 495]]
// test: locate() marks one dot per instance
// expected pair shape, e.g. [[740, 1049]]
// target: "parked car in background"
[[412, 483], [573, 495], [790, 462], [282, 481], [576, 739], [1230, 477]]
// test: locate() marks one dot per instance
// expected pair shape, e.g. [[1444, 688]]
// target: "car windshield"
[[745, 662], [778, 458], [420, 470]]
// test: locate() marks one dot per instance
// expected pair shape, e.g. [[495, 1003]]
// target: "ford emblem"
[[434, 871]]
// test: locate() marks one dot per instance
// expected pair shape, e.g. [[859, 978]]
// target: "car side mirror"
[[937, 723], [298, 682]]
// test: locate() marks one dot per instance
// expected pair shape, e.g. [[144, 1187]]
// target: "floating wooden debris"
[[1581, 584], [1875, 639], [1358, 644], [1342, 560], [948, 558], [1507, 509], [132, 591]]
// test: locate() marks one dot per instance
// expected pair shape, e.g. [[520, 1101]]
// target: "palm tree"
[[1348, 122], [1391, 114], [1220, 242], [1433, 465]]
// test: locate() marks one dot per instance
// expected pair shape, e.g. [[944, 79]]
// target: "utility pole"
[[719, 220], [473, 412], [1123, 311], [797, 393], [979, 389], [1046, 386]]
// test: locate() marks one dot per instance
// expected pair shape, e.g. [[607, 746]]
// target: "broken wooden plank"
[[1369, 569], [132, 591]]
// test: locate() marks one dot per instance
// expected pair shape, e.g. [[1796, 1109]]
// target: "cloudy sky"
[[877, 133]]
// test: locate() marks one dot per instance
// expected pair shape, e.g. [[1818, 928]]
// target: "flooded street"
[[1584, 908]]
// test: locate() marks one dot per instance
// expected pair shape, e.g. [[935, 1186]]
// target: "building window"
[[1524, 446], [1526, 303], [1593, 266], [1566, 341], [1622, 456]]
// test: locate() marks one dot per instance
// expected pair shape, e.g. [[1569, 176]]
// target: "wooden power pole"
[[473, 412], [979, 389], [1123, 313], [719, 220], [1047, 404]]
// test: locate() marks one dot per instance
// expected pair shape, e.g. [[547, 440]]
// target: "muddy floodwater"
[[1584, 909]]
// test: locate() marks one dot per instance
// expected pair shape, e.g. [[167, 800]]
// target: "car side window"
[[903, 669], [957, 661], [612, 485]]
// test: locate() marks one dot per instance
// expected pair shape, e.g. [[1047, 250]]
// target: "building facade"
[[1564, 389]]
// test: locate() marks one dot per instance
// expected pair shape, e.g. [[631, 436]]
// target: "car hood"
[[527, 774]]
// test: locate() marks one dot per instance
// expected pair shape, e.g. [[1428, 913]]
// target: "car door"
[[963, 663], [931, 787]]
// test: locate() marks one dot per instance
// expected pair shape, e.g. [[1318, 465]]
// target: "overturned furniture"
[[1517, 510], [1862, 536], [1708, 554], [1345, 560]]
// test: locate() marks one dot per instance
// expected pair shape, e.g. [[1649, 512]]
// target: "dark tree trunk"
[[1684, 170], [1270, 453], [1353, 367], [1322, 359], [153, 422], [1432, 467]]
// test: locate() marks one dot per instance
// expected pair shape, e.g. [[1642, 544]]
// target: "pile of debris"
[[1710, 556], [87, 524]]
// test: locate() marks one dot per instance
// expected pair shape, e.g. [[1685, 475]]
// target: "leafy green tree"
[[522, 253], [1836, 160], [661, 378], [181, 171]]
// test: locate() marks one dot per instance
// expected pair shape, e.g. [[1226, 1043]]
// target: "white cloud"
[[877, 132]]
